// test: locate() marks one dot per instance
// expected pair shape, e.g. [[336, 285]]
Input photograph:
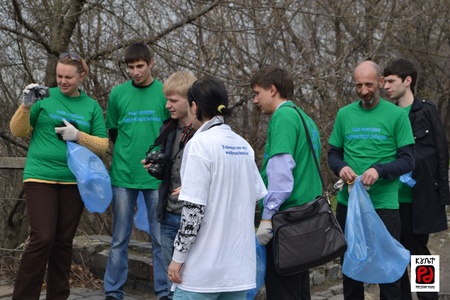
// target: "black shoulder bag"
[[307, 235]]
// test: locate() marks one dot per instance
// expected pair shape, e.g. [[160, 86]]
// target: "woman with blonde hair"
[[53, 201]]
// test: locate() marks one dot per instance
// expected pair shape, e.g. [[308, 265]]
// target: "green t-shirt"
[[286, 134], [404, 190], [368, 137], [137, 114], [46, 158]]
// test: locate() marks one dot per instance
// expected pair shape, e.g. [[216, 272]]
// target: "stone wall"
[[92, 252]]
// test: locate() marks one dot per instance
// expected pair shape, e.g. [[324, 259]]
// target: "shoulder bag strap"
[[164, 133], [308, 137]]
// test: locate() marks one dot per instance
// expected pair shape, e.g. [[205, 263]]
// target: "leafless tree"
[[318, 41]]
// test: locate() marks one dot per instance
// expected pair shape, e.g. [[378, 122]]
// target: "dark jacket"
[[431, 191], [167, 148]]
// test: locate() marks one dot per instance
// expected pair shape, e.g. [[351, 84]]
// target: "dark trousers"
[[54, 212], [417, 245], [353, 289], [285, 287]]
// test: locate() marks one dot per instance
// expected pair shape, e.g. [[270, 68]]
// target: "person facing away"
[[53, 202], [288, 170], [372, 138], [135, 112], [422, 207], [177, 131], [220, 185]]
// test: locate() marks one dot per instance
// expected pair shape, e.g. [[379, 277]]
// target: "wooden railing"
[[12, 162]]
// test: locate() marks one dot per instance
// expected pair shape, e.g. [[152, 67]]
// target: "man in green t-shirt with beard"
[[372, 138]]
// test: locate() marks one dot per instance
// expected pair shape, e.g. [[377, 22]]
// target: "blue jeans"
[[169, 228], [123, 204]]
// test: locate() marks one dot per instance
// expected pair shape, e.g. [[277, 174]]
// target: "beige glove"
[[68, 132], [265, 232], [28, 97]]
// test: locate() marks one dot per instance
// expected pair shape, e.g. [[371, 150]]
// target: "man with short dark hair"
[[288, 170], [422, 207], [136, 110]]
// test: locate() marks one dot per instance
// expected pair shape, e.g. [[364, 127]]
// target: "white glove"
[[265, 232], [68, 133], [28, 98]]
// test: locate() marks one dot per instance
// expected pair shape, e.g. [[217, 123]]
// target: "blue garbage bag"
[[92, 177], [140, 218], [373, 255], [408, 180], [260, 270]]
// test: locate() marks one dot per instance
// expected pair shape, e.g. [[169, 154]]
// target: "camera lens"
[[157, 160], [41, 92], [156, 170]]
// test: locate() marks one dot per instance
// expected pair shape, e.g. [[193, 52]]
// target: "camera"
[[158, 162], [40, 92]]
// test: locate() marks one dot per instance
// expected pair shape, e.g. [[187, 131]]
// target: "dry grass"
[[80, 276]]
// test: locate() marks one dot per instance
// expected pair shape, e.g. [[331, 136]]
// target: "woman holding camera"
[[220, 185], [53, 202]]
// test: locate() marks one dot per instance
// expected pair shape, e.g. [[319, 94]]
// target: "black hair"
[[136, 52], [279, 77], [402, 68], [211, 97]]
